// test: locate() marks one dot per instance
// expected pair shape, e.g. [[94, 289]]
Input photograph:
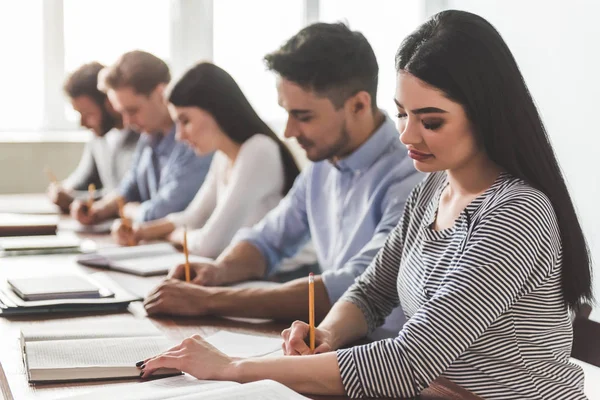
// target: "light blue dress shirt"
[[164, 177], [347, 210]]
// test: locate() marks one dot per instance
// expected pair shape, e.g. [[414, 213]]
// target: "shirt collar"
[[379, 142]]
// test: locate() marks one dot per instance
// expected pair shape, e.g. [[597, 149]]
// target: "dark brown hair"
[[137, 69]]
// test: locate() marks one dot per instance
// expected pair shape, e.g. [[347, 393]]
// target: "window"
[[21, 70], [240, 43], [384, 26], [103, 30]]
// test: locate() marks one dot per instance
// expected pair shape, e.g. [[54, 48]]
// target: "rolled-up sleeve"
[[284, 230]]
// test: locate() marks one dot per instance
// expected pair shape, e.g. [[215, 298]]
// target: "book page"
[[243, 345], [166, 388], [148, 250], [259, 390], [82, 353], [89, 328], [76, 226], [153, 265]]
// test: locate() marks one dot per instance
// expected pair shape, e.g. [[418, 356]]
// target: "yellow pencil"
[[124, 220], [185, 252], [311, 310], [91, 192]]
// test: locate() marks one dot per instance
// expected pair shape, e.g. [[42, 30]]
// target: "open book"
[[24, 225], [78, 353], [145, 260], [186, 387]]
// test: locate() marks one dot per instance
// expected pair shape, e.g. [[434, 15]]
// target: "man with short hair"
[[165, 174], [347, 201], [106, 157]]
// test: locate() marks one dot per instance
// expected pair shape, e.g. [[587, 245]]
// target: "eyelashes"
[[431, 125]]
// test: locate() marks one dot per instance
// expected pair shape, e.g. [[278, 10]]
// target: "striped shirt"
[[483, 297]]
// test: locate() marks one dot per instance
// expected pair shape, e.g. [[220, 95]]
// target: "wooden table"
[[13, 382]]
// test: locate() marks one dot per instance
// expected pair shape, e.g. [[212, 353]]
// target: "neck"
[[364, 130], [166, 125], [474, 177], [230, 148]]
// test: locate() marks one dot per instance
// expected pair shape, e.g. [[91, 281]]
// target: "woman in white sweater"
[[250, 173]]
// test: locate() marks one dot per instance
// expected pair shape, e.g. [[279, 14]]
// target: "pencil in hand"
[[125, 222], [92, 195], [311, 310], [50, 175], [186, 254]]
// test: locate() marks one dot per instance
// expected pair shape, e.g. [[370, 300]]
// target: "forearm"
[[241, 263], [286, 302], [107, 207], [154, 230], [346, 323], [318, 374]]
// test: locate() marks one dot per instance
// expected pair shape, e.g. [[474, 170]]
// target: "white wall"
[[556, 44]]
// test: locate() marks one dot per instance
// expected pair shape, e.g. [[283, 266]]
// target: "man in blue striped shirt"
[[347, 201], [165, 175]]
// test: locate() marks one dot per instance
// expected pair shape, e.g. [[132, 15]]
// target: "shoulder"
[[259, 145], [517, 210]]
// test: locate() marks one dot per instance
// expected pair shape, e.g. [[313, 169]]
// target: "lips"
[[419, 156]]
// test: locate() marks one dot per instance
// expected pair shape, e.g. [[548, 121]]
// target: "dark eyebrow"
[[299, 113], [424, 110]]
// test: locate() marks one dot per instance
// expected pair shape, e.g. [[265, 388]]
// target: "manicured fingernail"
[[143, 366], [141, 374], [139, 364]]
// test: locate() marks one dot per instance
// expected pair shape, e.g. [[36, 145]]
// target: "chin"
[[426, 167]]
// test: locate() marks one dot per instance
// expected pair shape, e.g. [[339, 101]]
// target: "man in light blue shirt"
[[347, 201], [164, 178], [165, 175]]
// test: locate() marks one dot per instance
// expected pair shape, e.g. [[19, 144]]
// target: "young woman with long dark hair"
[[487, 260]]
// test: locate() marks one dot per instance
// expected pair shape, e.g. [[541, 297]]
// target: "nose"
[[290, 129], [409, 132]]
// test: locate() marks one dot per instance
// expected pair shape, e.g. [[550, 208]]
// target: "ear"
[[360, 103], [159, 90]]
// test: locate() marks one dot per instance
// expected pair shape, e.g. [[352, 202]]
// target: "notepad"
[[12, 304], [76, 356], [57, 287], [25, 225], [66, 242], [145, 260]]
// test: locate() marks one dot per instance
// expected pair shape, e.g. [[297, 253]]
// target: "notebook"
[[75, 353], [57, 287], [62, 243], [75, 226], [186, 387], [25, 225], [144, 260], [11, 304]]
